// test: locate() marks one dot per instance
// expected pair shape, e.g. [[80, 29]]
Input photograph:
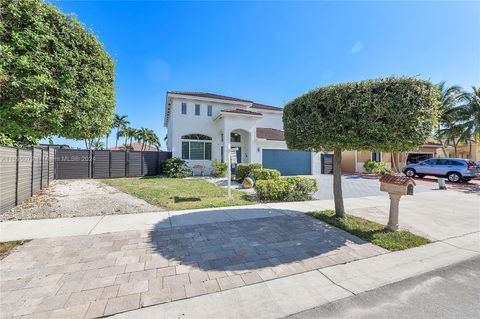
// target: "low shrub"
[[286, 189], [176, 168], [219, 169], [261, 174], [375, 167], [303, 187], [245, 170]]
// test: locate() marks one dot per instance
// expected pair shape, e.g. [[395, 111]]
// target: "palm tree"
[[119, 123], [450, 97], [143, 136], [469, 112], [97, 145]]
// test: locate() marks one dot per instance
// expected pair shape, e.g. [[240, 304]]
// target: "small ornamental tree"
[[55, 76], [389, 115]]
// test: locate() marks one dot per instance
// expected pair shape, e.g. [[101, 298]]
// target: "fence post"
[[127, 168], [141, 163], [41, 169], [90, 164], [16, 176], [110, 163], [33, 162], [48, 165]]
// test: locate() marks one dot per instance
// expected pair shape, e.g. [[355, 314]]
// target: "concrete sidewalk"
[[286, 296], [436, 215]]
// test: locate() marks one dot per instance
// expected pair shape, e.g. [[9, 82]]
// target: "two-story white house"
[[202, 127]]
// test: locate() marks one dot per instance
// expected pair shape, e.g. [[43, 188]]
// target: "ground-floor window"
[[376, 156], [197, 147]]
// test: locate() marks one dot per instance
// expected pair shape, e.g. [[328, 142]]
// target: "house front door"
[[239, 154]]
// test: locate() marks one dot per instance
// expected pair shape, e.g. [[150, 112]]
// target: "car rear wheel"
[[454, 177], [410, 172]]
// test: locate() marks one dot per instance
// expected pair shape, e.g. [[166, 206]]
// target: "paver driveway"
[[97, 275], [354, 186]]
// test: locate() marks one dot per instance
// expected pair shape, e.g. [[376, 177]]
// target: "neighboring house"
[[352, 161], [202, 127], [135, 147], [464, 150]]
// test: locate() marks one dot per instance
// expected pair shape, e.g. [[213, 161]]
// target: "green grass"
[[371, 231], [179, 193], [6, 247]]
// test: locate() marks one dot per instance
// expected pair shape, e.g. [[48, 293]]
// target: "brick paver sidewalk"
[[98, 275]]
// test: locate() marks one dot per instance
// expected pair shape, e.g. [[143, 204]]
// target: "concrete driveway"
[[356, 186]]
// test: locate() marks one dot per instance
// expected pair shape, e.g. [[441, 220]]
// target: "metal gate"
[[327, 163]]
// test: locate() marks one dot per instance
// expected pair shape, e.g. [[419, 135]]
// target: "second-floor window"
[[209, 110], [184, 108], [197, 109]]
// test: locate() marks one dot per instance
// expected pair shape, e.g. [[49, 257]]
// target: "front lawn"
[[6, 247], [179, 193], [371, 231]]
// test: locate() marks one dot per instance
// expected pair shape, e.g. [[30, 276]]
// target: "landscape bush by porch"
[[375, 167], [176, 168], [291, 188], [219, 169], [373, 232], [245, 170], [261, 174]]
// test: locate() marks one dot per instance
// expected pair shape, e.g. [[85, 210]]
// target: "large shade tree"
[[389, 115], [55, 76]]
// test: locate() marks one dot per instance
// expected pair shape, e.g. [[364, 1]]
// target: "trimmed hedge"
[[390, 115], [245, 170], [219, 169], [292, 188], [265, 174], [176, 168]]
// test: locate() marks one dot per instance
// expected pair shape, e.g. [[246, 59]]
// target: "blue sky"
[[271, 52]]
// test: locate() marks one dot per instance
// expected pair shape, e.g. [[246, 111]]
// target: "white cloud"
[[357, 47]]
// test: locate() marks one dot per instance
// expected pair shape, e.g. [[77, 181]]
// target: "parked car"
[[455, 169]]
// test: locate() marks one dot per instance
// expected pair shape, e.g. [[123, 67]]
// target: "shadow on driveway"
[[232, 240]]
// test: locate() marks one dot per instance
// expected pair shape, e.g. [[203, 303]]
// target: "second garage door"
[[288, 162]]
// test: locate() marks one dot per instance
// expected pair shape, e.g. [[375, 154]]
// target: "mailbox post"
[[396, 186]]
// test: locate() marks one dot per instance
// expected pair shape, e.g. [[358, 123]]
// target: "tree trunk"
[[394, 162], [337, 183], [455, 148], [444, 149], [470, 149]]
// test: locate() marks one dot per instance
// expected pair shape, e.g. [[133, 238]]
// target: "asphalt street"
[[452, 292]]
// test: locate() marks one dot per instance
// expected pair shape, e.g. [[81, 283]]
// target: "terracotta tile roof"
[[241, 111], [211, 96], [270, 134], [228, 98], [135, 147], [396, 179], [266, 107]]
